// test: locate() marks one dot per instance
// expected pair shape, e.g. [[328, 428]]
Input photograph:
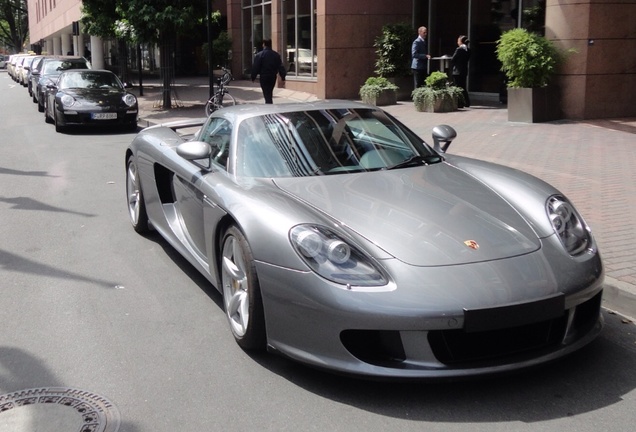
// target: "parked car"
[[50, 69], [302, 59], [338, 238], [14, 65], [90, 98], [3, 61], [29, 78], [10, 63], [24, 69]]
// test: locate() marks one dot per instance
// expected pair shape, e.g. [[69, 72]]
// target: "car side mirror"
[[197, 152], [128, 85], [443, 136]]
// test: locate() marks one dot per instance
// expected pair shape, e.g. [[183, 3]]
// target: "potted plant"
[[378, 91], [437, 95], [393, 56], [529, 61]]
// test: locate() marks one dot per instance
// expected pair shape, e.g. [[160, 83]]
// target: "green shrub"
[[373, 86], [393, 50], [437, 89], [436, 80], [528, 59], [220, 49]]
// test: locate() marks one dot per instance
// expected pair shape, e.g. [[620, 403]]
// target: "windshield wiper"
[[416, 160]]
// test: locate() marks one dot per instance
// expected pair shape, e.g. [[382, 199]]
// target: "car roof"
[[61, 57], [102, 71], [240, 112]]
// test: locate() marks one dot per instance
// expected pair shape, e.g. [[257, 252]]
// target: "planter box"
[[533, 105], [445, 104], [386, 97]]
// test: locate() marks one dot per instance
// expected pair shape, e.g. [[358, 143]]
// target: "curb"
[[617, 297]]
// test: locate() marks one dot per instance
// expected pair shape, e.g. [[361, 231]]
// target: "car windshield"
[[90, 80], [57, 66], [324, 142]]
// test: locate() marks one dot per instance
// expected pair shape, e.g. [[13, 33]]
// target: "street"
[[86, 303]]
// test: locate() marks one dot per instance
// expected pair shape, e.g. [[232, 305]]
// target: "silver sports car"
[[340, 239]]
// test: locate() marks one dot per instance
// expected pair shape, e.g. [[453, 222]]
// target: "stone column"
[[97, 52], [598, 77], [66, 43], [57, 46], [77, 48]]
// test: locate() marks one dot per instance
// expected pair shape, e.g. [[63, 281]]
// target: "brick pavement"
[[592, 162]]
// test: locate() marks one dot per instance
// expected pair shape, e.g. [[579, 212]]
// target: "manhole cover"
[[57, 409]]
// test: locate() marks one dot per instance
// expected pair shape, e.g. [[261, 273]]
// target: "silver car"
[[340, 239]]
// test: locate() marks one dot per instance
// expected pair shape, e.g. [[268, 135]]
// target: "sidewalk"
[[592, 162]]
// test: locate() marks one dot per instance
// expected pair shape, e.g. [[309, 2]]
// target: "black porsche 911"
[[91, 98]]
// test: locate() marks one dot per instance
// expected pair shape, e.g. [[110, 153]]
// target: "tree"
[[104, 19], [159, 21], [14, 23]]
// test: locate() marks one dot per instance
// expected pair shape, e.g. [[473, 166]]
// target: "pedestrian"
[[268, 64], [419, 57], [459, 61]]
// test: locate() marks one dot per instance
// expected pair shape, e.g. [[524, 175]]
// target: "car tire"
[[40, 105], [135, 197], [47, 119], [58, 128], [241, 291]]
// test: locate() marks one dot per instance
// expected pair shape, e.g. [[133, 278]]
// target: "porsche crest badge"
[[472, 244]]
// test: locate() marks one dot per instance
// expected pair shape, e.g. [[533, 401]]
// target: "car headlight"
[[568, 225], [67, 101], [129, 99], [333, 258]]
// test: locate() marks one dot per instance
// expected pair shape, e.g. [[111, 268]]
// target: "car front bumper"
[[419, 327], [87, 118]]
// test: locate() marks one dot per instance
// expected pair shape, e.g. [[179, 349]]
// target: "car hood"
[[427, 216], [95, 96]]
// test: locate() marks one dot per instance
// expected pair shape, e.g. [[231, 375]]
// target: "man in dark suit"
[[268, 64], [419, 57]]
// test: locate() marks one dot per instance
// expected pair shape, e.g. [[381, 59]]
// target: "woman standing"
[[460, 66]]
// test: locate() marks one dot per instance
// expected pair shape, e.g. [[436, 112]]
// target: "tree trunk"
[[166, 54], [122, 52]]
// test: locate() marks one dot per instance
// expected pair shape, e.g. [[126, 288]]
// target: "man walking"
[[268, 64], [419, 57]]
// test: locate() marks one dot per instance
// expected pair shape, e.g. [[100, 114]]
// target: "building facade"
[[328, 44]]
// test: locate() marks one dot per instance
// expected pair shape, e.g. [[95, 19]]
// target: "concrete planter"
[[442, 104], [533, 105], [386, 97]]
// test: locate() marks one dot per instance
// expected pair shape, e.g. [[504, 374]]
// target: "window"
[[217, 133], [299, 34], [257, 25]]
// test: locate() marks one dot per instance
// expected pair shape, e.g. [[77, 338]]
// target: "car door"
[[188, 188]]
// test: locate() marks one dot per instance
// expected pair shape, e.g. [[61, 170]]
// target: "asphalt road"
[[85, 303]]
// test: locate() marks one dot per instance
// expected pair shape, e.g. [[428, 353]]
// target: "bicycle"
[[221, 97]]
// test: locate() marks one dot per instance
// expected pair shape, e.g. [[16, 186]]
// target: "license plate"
[[104, 116], [477, 320]]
